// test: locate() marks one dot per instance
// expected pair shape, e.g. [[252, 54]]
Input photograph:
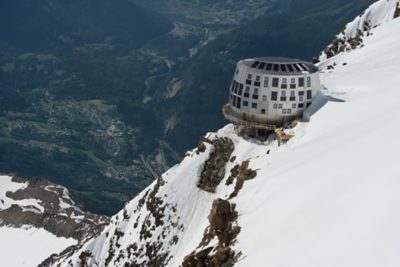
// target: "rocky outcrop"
[[52, 209], [214, 168], [397, 11], [223, 226], [241, 173]]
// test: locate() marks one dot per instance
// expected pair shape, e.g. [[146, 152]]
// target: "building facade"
[[271, 91]]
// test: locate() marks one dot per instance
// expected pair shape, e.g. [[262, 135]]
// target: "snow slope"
[[29, 246], [328, 197]]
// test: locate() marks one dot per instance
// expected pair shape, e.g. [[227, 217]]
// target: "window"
[[257, 84], [264, 98], [234, 101], [309, 94], [292, 93], [249, 77], [301, 82], [254, 105], [283, 98], [301, 105], [283, 93], [289, 111], [301, 98], [248, 82], [301, 93], [275, 82], [294, 106], [240, 91], [276, 67], [245, 103], [284, 86], [280, 106], [284, 111], [308, 81], [263, 111], [238, 102], [283, 68], [292, 98], [258, 78], [266, 82], [262, 65], [293, 86], [293, 80], [241, 85], [275, 105], [256, 91], [255, 97], [274, 96], [247, 92], [284, 81]]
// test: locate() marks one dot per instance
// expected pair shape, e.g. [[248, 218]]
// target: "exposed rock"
[[242, 173], [224, 227], [57, 212], [397, 11], [214, 168]]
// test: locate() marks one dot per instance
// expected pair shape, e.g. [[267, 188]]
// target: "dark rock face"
[[214, 168], [59, 216], [223, 226], [241, 173], [397, 11]]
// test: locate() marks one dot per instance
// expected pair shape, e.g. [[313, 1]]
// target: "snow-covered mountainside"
[[38, 219], [327, 197], [354, 33]]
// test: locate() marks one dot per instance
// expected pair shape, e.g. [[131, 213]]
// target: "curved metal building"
[[269, 92]]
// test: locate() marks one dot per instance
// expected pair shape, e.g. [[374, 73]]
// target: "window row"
[[284, 83]]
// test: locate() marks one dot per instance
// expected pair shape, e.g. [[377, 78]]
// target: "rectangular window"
[[274, 96], [284, 111], [241, 85], [289, 111], [256, 91], [238, 102], [280, 106], [283, 98], [308, 81], [266, 82], [249, 77], [301, 98], [283, 93], [293, 86], [257, 84], [309, 94], [264, 98], [247, 92], [255, 97], [301, 82], [258, 78], [248, 82], [284, 86], [292, 93], [284, 81], [262, 65], [245, 103], [275, 82], [293, 81], [301, 93], [276, 67], [292, 98], [294, 106], [301, 105], [275, 105], [254, 105], [263, 111], [240, 91]]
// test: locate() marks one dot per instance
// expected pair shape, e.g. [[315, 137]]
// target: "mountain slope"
[[328, 197], [38, 219]]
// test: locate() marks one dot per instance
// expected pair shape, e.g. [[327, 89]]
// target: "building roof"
[[279, 65]]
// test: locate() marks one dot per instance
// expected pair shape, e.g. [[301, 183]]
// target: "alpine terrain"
[[327, 197]]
